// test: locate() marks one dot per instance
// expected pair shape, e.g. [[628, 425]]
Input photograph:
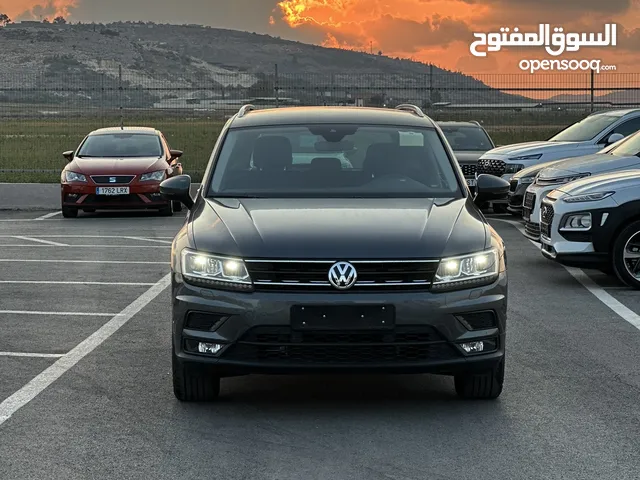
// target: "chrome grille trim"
[[121, 177]]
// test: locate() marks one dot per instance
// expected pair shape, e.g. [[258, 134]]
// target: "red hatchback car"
[[119, 168]]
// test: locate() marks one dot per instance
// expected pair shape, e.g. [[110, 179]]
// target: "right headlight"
[[467, 271], [527, 180], [589, 197], [214, 271], [74, 177]]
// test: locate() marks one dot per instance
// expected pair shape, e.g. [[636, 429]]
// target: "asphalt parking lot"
[[86, 385]]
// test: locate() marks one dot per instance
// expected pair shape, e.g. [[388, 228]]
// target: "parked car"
[[119, 168], [593, 223], [469, 140], [624, 155], [386, 266], [585, 137]]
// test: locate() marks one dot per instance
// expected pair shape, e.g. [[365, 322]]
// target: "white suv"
[[589, 135], [594, 223]]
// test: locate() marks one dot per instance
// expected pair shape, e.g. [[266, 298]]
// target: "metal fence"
[[45, 114]]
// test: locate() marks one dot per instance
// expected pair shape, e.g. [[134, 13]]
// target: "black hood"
[[339, 228]]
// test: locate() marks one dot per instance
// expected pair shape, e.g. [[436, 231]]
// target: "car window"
[[628, 127], [384, 161], [467, 138], [121, 145], [586, 129], [630, 146]]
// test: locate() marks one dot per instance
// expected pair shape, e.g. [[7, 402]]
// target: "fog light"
[[473, 347], [211, 348]]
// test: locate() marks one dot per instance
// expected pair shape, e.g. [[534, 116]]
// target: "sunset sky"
[[436, 31]]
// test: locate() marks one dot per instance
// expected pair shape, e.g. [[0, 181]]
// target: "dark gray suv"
[[294, 260]]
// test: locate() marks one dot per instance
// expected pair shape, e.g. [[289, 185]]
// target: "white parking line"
[[31, 355], [592, 287], [148, 240], [46, 282], [36, 386], [64, 314], [46, 242], [48, 215], [91, 236], [16, 245], [48, 260]]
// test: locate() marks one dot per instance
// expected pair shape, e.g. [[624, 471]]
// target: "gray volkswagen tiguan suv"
[[336, 239]]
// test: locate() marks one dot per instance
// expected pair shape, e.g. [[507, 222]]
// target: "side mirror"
[[614, 137], [490, 187], [175, 154], [178, 189], [68, 155]]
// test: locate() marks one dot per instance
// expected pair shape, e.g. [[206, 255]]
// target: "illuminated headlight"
[[214, 271], [157, 176], [589, 197], [467, 271], [577, 221], [74, 177], [513, 167]]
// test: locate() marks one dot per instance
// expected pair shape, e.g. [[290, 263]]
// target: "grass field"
[[37, 145]]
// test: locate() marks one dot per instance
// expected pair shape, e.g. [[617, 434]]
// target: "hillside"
[[173, 66]]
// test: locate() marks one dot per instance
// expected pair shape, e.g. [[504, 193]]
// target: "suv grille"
[[546, 219], [314, 275], [527, 204], [532, 229], [468, 169], [281, 345], [492, 167], [106, 179]]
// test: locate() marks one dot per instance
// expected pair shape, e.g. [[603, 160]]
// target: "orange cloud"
[[36, 8]]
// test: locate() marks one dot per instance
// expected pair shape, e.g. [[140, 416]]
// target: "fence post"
[[120, 96], [276, 86], [592, 87], [431, 83]]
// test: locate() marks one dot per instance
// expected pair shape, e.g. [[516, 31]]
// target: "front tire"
[[69, 212], [193, 385], [499, 208], [177, 206], [481, 386], [167, 211], [626, 255]]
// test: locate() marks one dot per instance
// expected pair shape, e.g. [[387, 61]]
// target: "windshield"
[[121, 145], [463, 138], [630, 147], [585, 129], [339, 160]]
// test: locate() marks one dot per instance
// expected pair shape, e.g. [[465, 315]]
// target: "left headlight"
[[157, 176], [467, 271], [536, 156], [214, 271], [589, 197], [513, 167], [74, 177], [527, 180]]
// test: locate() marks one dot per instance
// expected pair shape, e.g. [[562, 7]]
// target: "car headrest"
[[272, 153], [380, 158], [326, 164]]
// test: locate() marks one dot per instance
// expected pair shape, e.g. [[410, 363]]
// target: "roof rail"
[[244, 110], [407, 107], [476, 122]]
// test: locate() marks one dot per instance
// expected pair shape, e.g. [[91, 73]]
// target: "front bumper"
[[259, 334], [141, 196]]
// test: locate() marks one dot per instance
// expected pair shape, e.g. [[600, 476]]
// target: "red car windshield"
[[121, 145]]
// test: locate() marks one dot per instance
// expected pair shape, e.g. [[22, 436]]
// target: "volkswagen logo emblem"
[[112, 179], [342, 275]]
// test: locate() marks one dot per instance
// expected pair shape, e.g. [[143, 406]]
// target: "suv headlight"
[[214, 271], [527, 180], [157, 176], [74, 177], [527, 157], [589, 197], [513, 168], [467, 271]]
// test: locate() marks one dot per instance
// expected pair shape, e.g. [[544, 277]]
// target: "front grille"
[[528, 202], [131, 199], [491, 167], [513, 185], [468, 169], [532, 229], [281, 345], [106, 179], [314, 275], [546, 219]]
